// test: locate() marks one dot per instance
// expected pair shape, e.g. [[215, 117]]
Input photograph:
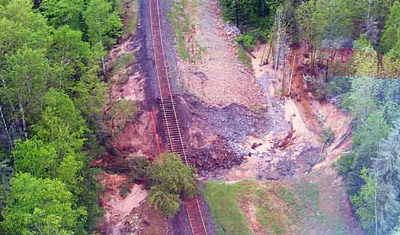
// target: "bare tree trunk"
[[278, 41], [10, 142], [269, 52], [369, 14], [21, 108]]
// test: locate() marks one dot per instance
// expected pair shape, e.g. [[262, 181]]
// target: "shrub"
[[122, 111], [124, 190], [327, 136], [173, 175], [248, 40], [242, 55], [168, 203], [343, 165], [138, 169], [338, 86], [170, 178], [122, 61]]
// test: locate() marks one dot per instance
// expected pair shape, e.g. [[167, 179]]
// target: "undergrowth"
[[121, 112], [277, 207], [131, 25], [243, 57], [181, 23], [121, 62], [225, 211]]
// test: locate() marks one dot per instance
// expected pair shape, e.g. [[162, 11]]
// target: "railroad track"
[[168, 107]]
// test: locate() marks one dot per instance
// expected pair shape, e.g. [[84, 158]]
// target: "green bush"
[[343, 165], [124, 190], [327, 136], [243, 57], [168, 203], [170, 178], [122, 61], [138, 169], [248, 40], [338, 86]]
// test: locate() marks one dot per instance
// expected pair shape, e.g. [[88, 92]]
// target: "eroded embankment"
[[238, 125], [130, 113]]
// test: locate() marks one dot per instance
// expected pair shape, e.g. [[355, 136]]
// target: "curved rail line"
[[170, 115]]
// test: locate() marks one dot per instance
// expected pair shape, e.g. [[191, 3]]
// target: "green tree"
[[362, 98], [63, 12], [102, 24], [21, 26], [69, 54], [41, 206], [365, 201], [366, 144], [387, 168], [168, 203], [391, 32], [90, 93], [25, 77], [365, 62], [55, 149], [171, 174], [170, 178], [35, 157], [64, 108]]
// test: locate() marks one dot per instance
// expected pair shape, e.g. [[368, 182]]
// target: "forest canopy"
[[52, 90]]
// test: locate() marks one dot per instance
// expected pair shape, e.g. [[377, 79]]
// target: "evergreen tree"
[[387, 170]]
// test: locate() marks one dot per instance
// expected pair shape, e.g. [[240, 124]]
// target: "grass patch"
[[122, 62], [132, 18], [224, 207], [309, 195], [243, 57], [277, 207], [121, 112], [181, 23]]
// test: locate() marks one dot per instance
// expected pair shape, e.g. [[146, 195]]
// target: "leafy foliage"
[[372, 167], [365, 201], [168, 203], [49, 210], [51, 97], [169, 179], [103, 25]]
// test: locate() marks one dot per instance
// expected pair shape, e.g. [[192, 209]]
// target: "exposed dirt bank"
[[129, 214], [132, 132]]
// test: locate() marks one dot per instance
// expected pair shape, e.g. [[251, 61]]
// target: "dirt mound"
[[216, 134], [137, 138], [213, 157]]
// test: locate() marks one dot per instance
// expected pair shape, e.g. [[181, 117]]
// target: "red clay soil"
[[299, 94], [137, 138]]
